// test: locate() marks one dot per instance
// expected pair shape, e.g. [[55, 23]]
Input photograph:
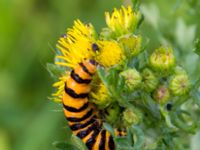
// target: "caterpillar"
[[81, 114]]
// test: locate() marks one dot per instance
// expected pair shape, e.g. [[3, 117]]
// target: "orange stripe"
[[82, 122], [87, 137], [76, 114], [98, 139], [78, 88], [91, 68], [71, 102], [107, 140]]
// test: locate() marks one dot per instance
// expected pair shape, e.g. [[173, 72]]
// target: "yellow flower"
[[75, 46], [57, 96], [78, 44], [110, 53], [122, 21]]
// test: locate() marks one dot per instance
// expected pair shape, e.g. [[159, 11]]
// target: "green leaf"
[[64, 145], [184, 34], [197, 47], [151, 105], [109, 128], [196, 97], [102, 74], [78, 143], [167, 139], [54, 70], [178, 121], [139, 137], [112, 76], [160, 145], [120, 84], [123, 143], [136, 4]]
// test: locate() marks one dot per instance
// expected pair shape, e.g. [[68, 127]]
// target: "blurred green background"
[[29, 30]]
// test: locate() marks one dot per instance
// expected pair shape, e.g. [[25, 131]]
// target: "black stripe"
[[90, 142], [111, 143], [84, 133], [103, 139], [93, 62], [72, 109], [73, 119], [78, 126], [78, 79], [85, 69], [119, 132], [73, 94]]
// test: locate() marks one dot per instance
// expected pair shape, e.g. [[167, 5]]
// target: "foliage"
[[152, 89], [29, 30]]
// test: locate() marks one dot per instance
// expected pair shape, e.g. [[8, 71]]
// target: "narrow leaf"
[[178, 122], [54, 70], [139, 137], [102, 75], [109, 128], [197, 47], [78, 143], [196, 98], [60, 145]]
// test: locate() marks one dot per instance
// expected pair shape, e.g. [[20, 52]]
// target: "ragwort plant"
[[147, 94]]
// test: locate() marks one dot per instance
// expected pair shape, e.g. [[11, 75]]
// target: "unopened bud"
[[132, 78], [150, 81], [179, 84], [132, 116], [162, 94], [132, 45], [162, 59]]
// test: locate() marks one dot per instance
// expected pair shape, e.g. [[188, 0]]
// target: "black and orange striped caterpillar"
[[81, 114]]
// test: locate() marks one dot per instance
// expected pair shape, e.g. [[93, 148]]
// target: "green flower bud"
[[150, 81], [162, 59], [132, 78], [131, 44], [179, 84], [112, 113], [132, 116], [161, 94], [99, 95]]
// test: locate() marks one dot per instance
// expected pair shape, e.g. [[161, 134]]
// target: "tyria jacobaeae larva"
[[81, 115]]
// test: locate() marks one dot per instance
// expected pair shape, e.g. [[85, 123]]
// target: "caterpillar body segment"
[[81, 115]]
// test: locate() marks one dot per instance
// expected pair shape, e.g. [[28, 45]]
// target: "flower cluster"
[[133, 86]]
